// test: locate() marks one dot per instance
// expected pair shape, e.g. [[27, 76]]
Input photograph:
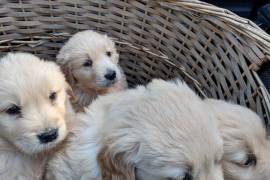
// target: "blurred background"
[[255, 10], [244, 8]]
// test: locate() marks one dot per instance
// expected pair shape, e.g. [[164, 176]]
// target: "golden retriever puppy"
[[34, 111], [246, 148], [161, 131], [90, 63]]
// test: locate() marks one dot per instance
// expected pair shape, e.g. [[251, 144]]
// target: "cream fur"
[[89, 82], [162, 130], [243, 134], [27, 81]]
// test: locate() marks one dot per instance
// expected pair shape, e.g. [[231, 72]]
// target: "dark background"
[[244, 8]]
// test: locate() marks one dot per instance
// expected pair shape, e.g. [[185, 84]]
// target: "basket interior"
[[156, 39]]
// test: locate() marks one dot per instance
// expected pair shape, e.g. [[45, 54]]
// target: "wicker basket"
[[215, 51]]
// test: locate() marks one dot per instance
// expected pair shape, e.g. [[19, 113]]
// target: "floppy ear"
[[67, 70], [117, 165], [70, 93]]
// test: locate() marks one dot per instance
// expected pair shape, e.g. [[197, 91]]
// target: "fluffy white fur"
[[246, 148], [161, 131], [27, 82], [89, 81]]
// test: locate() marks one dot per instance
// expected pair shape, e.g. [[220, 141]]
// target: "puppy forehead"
[[90, 43], [91, 39], [240, 127], [28, 76]]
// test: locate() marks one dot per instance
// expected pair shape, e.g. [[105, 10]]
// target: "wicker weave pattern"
[[215, 51]]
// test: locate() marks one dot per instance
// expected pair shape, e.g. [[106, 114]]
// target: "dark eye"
[[13, 110], [187, 176], [53, 96], [109, 53], [251, 160], [87, 63]]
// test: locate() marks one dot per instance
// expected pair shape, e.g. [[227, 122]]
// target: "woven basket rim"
[[239, 24]]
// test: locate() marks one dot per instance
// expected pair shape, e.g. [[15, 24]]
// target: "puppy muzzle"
[[48, 136]]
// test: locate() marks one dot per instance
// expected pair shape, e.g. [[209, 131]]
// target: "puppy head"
[[33, 102], [164, 134], [90, 60], [246, 148]]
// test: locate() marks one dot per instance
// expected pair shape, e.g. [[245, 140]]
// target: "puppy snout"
[[110, 75], [48, 136]]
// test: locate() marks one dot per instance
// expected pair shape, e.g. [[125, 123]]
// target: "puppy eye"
[[53, 96], [251, 161], [187, 176], [87, 63], [109, 53], [13, 110]]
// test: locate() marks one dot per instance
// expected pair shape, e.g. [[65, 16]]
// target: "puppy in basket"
[[161, 131], [246, 147], [34, 113], [89, 61]]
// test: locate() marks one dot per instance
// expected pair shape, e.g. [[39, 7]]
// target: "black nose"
[[111, 75], [48, 136]]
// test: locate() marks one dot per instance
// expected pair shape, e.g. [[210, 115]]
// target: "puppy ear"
[[70, 93], [66, 69], [117, 165]]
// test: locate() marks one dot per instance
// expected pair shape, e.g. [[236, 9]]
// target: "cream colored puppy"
[[34, 109], [246, 148], [161, 131], [90, 63]]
